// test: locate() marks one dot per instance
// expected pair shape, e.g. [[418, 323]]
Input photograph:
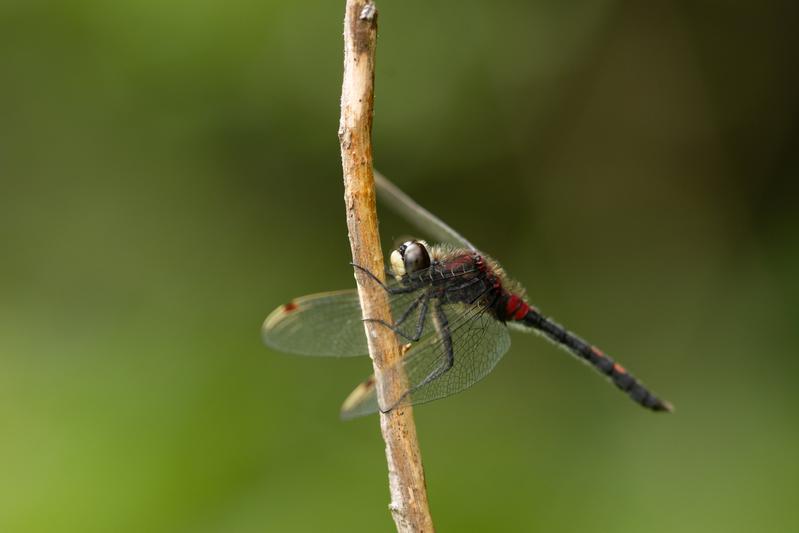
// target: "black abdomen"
[[593, 355]]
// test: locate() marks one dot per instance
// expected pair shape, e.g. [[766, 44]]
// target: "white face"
[[398, 262]]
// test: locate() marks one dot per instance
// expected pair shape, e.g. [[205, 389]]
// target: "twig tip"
[[368, 12]]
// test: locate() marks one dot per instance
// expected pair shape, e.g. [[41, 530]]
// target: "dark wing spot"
[[289, 307]]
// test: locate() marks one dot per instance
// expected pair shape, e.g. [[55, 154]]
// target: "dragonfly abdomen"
[[516, 309]]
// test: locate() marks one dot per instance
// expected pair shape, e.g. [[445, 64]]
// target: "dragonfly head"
[[410, 257]]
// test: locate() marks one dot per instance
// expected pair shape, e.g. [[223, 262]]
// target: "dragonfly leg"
[[390, 290], [442, 327], [422, 317], [410, 310], [424, 300]]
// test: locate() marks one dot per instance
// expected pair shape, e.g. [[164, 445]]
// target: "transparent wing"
[[417, 215], [478, 342], [331, 324], [327, 323]]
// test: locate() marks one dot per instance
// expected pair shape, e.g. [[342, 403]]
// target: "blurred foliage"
[[169, 173]]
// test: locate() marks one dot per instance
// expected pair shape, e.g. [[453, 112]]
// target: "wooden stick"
[[408, 505]]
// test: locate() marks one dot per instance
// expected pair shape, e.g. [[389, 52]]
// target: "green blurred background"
[[169, 173]]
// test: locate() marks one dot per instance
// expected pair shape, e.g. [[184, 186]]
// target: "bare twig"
[[406, 475]]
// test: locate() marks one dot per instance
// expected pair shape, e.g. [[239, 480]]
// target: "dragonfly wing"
[[327, 324], [417, 215], [478, 342], [330, 323], [361, 401]]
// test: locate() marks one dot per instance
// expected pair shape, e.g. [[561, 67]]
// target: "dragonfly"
[[452, 307]]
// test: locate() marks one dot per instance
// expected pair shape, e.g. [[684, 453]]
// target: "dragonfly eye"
[[415, 257]]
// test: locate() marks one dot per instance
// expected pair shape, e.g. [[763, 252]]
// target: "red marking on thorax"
[[460, 260], [289, 307]]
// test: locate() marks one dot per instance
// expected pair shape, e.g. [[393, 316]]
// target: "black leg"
[[441, 324], [410, 309], [422, 317], [423, 299], [390, 290], [442, 327]]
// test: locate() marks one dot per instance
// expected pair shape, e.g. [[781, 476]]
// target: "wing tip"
[[356, 399]]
